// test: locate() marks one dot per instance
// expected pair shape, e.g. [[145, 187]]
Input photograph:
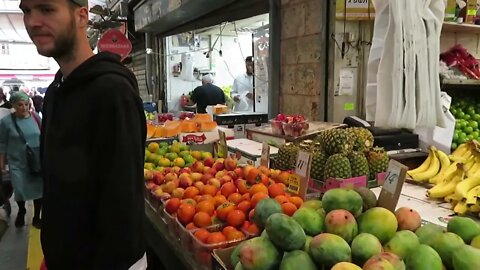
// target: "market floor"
[[14, 244]]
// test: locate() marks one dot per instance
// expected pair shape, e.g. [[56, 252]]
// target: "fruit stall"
[[237, 212]]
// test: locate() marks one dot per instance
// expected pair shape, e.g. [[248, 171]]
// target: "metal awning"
[[194, 14], [12, 29]]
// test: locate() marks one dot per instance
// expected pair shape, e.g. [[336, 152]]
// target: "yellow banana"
[[424, 166], [474, 169], [461, 149], [444, 188], [472, 195], [474, 208], [444, 166], [461, 208], [467, 155], [452, 198], [432, 170], [470, 163], [463, 187]]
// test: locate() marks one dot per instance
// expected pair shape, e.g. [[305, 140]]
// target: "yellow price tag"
[[294, 183]]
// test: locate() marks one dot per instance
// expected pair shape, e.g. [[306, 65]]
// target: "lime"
[[454, 146], [475, 134], [468, 129], [470, 137], [455, 136], [476, 117], [473, 124], [453, 111], [460, 115], [467, 117], [458, 125], [470, 110], [462, 137]]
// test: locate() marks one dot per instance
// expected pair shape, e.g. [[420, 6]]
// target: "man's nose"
[[32, 20]]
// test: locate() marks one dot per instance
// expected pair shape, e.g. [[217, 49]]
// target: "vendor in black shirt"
[[207, 94]]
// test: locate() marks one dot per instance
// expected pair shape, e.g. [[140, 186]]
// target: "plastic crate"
[[184, 236], [203, 252], [172, 225]]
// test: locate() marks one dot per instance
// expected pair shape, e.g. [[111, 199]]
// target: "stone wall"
[[303, 54]]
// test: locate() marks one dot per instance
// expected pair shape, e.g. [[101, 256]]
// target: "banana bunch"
[[433, 169]]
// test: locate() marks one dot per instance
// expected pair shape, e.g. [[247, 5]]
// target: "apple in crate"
[[230, 164], [209, 161], [198, 166], [158, 178], [185, 180]]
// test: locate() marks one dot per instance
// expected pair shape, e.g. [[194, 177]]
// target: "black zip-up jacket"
[[92, 147]]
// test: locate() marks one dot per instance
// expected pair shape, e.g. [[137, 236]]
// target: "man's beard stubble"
[[64, 44]]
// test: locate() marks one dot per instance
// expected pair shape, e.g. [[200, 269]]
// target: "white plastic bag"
[[187, 68]]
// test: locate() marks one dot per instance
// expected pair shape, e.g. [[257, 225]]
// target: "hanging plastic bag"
[[187, 68]]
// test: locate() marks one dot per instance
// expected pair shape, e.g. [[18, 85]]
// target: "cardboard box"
[[204, 137], [221, 259], [248, 151]]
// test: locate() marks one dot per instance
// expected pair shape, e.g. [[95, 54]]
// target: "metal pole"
[[148, 66], [274, 55]]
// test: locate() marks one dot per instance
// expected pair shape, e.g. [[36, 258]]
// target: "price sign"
[[355, 9], [298, 181], [392, 187], [265, 158]]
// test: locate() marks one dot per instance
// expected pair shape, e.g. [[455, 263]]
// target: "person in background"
[[27, 187], [207, 94], [37, 103], [4, 103], [242, 90], [92, 147]]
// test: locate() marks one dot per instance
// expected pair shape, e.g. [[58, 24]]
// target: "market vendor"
[[207, 94], [242, 90]]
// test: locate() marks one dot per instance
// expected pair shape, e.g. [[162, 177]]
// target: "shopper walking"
[[4, 103], [18, 132], [93, 143]]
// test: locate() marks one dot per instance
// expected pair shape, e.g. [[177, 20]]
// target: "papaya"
[[264, 209], [339, 198], [285, 232], [427, 233], [365, 246], [445, 245], [369, 198], [402, 244], [259, 254], [345, 266], [380, 222], [329, 249], [235, 256], [297, 259]]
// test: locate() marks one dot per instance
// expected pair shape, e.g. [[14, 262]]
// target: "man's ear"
[[82, 17]]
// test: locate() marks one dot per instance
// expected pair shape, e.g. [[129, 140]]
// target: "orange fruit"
[[253, 229], [190, 193], [251, 214], [224, 209], [258, 188], [245, 206], [228, 229], [281, 199], [185, 213], [210, 190], [235, 198], [206, 206], [296, 200], [219, 199], [190, 226], [228, 188], [215, 238], [289, 208], [202, 220], [236, 218], [202, 235], [258, 197], [235, 235], [275, 190], [252, 176], [172, 205]]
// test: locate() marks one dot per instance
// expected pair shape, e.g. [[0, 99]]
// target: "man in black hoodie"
[[92, 147]]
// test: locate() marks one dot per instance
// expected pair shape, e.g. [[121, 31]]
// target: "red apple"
[[214, 182], [178, 193], [211, 171], [147, 175], [197, 166], [167, 170], [185, 180], [209, 161], [169, 187], [264, 179], [219, 160], [233, 175], [185, 170], [149, 185], [218, 166], [176, 169], [158, 178], [205, 178], [225, 179], [239, 172], [196, 176], [170, 177], [230, 164]]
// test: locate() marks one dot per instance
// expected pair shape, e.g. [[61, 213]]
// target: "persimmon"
[[236, 218], [289, 208], [202, 235], [185, 213], [206, 206], [224, 209], [202, 220]]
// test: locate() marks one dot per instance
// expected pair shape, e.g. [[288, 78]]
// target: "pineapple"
[[337, 141], [286, 157], [377, 161], [319, 158], [363, 139], [359, 164], [337, 166]]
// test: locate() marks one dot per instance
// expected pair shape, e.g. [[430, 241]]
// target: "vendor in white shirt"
[[242, 90]]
